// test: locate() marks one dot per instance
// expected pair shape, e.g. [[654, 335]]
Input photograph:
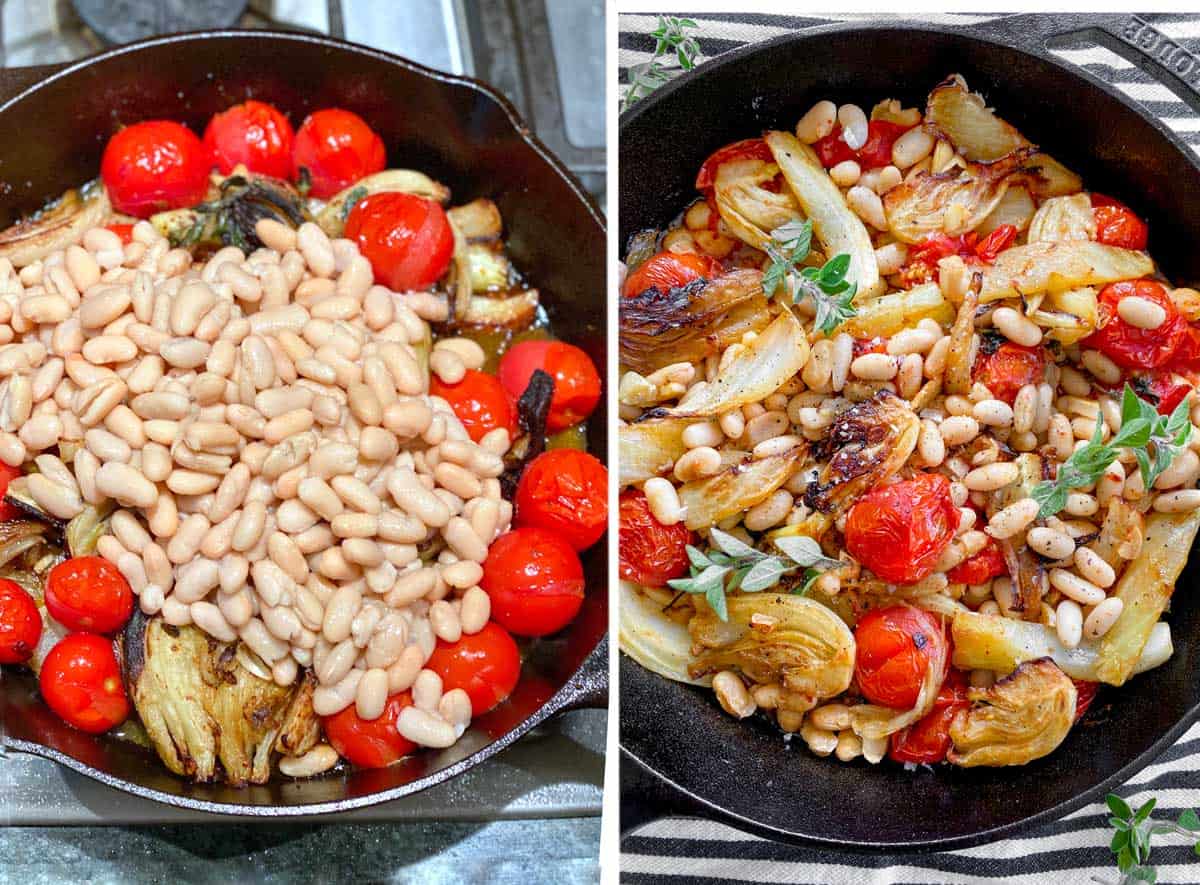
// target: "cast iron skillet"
[[457, 130], [743, 772]]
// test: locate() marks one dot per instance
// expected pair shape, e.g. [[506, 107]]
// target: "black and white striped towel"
[[1074, 849]]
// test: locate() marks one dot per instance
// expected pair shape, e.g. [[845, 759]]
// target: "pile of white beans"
[[263, 424]]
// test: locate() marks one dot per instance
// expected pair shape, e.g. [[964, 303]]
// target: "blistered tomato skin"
[[1117, 224], [650, 553], [81, 682], [486, 665], [20, 623], [565, 491], [1008, 368], [928, 740], [535, 582], [899, 531], [88, 593], [895, 646], [337, 148], [746, 149], [154, 166], [373, 743], [479, 401], [1128, 346], [669, 270], [406, 238], [576, 381], [988, 563], [255, 134]]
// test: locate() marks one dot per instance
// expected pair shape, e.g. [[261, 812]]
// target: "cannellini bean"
[[1050, 543], [1102, 617], [1012, 519], [1141, 312], [1016, 327], [1075, 587]]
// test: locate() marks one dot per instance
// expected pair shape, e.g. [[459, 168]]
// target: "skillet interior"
[[455, 130], [744, 771]]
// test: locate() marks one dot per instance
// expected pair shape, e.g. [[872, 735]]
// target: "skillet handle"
[[1127, 34], [14, 81], [588, 688]]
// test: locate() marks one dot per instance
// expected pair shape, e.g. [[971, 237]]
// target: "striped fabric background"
[[1073, 850]]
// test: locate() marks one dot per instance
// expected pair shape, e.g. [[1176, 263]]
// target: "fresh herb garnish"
[[734, 565], [1134, 829], [1156, 440], [670, 39], [827, 286]]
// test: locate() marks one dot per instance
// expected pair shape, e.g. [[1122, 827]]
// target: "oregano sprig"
[[1156, 440], [669, 39], [832, 294], [1134, 830], [732, 565]]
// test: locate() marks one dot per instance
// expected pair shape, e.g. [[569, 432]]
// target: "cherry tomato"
[[876, 152], [480, 402], [20, 623], [1168, 391], [1126, 345], [747, 149], [988, 563], [255, 134], [1186, 357], [1085, 693], [486, 665], [899, 531], [535, 582], [87, 593], [7, 475], [406, 238], [670, 270], [894, 648], [156, 165], [1117, 225], [565, 491], [576, 381], [996, 242], [370, 743], [124, 231], [869, 345], [337, 148], [650, 553], [81, 682], [928, 740], [1008, 368]]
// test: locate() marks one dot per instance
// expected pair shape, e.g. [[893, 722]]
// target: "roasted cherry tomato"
[[988, 563], [1085, 693], [996, 242], [87, 593], [1117, 225], [899, 531], [650, 553], [747, 149], [869, 345], [1186, 357], [1008, 367], [486, 665], [20, 623], [255, 134], [875, 153], [565, 491], [535, 582], [894, 648], [1126, 345], [480, 402], [406, 238], [576, 381], [81, 682], [124, 231], [928, 740], [372, 743], [669, 270], [1166, 391], [156, 165], [7, 475], [337, 148], [923, 257]]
